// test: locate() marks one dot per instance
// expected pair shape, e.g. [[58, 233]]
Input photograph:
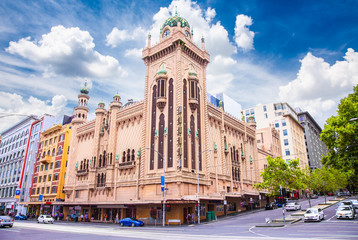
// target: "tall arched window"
[[128, 155], [133, 155], [124, 156], [53, 152]]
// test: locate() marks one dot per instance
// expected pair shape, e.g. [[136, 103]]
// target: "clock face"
[[187, 34], [166, 34]]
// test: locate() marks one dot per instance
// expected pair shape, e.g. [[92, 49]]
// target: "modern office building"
[[173, 147], [13, 150], [314, 146], [284, 118]]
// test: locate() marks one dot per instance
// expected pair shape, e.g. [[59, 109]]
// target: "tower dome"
[[84, 90], [175, 21], [173, 24]]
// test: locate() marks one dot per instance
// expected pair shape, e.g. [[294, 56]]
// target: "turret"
[[81, 111]]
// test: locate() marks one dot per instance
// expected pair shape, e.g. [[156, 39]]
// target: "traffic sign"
[[17, 192], [40, 197]]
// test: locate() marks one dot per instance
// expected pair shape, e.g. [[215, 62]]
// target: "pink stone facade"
[[117, 160]]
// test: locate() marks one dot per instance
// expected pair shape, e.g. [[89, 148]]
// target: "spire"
[[149, 40], [202, 43], [176, 13]]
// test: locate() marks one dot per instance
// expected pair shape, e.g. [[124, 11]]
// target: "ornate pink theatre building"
[[118, 161]]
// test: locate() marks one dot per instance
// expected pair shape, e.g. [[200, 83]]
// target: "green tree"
[[280, 173], [327, 180], [340, 134]]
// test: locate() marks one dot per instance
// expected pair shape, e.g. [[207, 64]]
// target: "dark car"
[[270, 206], [20, 217], [131, 222], [6, 221]]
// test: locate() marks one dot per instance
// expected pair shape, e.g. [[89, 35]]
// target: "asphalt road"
[[241, 226]]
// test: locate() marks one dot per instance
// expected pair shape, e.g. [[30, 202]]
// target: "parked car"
[[131, 222], [314, 196], [346, 203], [355, 203], [45, 219], [314, 214], [293, 206], [6, 221], [346, 211], [20, 217], [271, 206]]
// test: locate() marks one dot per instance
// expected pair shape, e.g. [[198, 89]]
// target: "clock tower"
[[175, 112]]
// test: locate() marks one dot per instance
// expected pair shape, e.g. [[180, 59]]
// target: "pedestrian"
[[105, 218], [189, 218], [117, 218], [81, 218]]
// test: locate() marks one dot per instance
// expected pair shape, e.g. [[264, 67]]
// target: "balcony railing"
[[125, 165], [46, 159], [82, 172]]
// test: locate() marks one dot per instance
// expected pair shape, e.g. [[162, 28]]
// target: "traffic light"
[[167, 207]]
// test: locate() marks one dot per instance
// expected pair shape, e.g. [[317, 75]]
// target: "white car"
[[292, 206], [314, 214], [45, 219], [345, 211]]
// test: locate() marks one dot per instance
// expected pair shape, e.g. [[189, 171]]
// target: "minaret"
[[81, 111]]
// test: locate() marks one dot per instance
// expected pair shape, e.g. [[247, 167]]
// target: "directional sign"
[[17, 192], [40, 197]]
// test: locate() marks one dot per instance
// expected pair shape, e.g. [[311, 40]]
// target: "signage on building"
[[162, 181], [41, 197], [17, 192]]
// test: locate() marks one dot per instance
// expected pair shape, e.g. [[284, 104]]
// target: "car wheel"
[[121, 224], [133, 225], [10, 226]]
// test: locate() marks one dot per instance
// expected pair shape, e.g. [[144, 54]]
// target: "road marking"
[[330, 218], [259, 234]]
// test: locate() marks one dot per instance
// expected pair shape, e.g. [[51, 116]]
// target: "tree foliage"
[[340, 134], [280, 173]]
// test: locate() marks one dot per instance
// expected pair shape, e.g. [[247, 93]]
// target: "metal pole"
[[164, 192], [198, 188]]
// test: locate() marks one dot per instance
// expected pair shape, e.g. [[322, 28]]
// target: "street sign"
[[17, 192], [40, 197], [162, 181]]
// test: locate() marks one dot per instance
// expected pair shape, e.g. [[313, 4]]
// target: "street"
[[242, 226]]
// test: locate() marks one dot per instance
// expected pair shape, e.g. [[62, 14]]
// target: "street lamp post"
[[163, 156], [198, 190]]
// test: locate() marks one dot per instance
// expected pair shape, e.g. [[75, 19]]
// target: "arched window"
[[81, 166], [124, 156], [22, 153], [87, 164], [100, 161], [53, 152], [18, 154], [128, 155], [59, 152], [49, 153], [133, 155], [43, 154]]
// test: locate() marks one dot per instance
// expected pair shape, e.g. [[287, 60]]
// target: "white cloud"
[[210, 14], [118, 36], [135, 52], [69, 52], [15, 103], [319, 86], [244, 38]]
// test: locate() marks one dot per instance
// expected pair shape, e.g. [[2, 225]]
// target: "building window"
[[46, 167], [55, 177], [161, 88], [59, 152], [277, 124], [42, 167], [287, 152], [265, 116], [53, 152], [265, 108], [57, 164], [51, 165], [252, 111], [247, 112], [284, 132], [54, 189], [49, 177], [40, 178], [283, 122], [45, 178], [285, 141]]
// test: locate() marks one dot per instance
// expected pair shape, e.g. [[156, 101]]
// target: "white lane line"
[[259, 234], [330, 218], [11, 230]]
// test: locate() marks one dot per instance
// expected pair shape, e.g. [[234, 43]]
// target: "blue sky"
[[300, 52]]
